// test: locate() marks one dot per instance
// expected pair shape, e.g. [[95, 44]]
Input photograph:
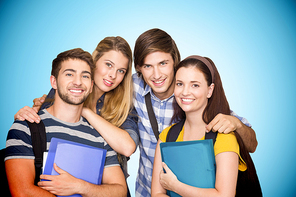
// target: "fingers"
[[222, 123], [210, 126], [45, 177], [27, 113], [38, 102], [58, 169], [165, 167]]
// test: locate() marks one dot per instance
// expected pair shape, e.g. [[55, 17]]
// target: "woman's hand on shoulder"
[[27, 113], [38, 102], [30, 114]]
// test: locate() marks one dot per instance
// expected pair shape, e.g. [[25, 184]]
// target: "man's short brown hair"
[[155, 40], [77, 53]]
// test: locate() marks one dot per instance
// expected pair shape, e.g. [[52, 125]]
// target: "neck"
[[65, 112], [194, 127], [97, 93]]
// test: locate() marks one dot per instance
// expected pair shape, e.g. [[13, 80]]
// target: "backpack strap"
[[38, 136], [151, 115], [211, 135], [177, 128], [175, 131]]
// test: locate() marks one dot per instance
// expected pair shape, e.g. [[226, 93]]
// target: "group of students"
[[98, 101]]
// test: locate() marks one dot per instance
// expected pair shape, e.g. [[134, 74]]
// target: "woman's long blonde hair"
[[118, 102]]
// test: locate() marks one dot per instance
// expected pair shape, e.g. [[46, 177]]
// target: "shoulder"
[[19, 143], [138, 82], [226, 142], [164, 133], [19, 130]]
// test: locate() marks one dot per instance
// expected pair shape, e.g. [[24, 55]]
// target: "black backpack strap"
[[151, 115], [38, 136], [175, 131], [177, 128], [211, 135]]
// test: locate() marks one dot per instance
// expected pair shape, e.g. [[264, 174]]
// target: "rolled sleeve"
[[131, 126]]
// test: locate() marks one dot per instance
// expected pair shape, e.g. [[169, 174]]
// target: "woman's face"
[[110, 71], [191, 90]]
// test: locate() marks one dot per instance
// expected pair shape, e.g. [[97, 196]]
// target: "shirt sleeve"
[[19, 142], [111, 157], [242, 119], [228, 143], [130, 125]]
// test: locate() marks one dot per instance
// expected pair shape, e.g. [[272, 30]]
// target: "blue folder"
[[80, 160], [193, 162]]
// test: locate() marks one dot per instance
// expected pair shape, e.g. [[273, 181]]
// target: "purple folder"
[[80, 160]]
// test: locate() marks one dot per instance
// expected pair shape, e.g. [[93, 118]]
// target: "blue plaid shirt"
[[163, 110]]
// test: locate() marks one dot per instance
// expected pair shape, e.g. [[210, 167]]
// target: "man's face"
[[74, 82], [158, 73]]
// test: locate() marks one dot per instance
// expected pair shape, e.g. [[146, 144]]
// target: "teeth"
[[108, 82], [187, 100], [76, 91], [158, 82]]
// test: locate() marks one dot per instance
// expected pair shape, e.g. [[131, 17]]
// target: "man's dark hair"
[[77, 53]]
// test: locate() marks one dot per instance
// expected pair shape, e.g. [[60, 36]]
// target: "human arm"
[[113, 183], [119, 139], [21, 176], [30, 114], [228, 123], [226, 177], [156, 188]]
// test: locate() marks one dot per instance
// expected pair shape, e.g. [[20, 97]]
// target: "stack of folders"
[[81, 161], [193, 162]]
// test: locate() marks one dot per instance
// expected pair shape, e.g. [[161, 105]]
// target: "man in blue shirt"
[[155, 57]]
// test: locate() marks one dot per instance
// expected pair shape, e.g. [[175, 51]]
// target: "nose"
[[185, 90], [156, 72], [112, 73], [77, 80]]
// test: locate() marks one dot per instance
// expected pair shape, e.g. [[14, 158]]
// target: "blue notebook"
[[193, 162], [80, 160]]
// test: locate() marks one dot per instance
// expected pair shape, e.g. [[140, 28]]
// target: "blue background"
[[252, 43]]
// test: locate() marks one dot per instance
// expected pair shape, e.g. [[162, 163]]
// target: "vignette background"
[[252, 43]]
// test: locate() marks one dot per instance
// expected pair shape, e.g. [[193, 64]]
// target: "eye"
[[69, 74], [147, 66], [86, 76], [195, 85], [179, 84], [109, 65], [162, 63], [121, 71]]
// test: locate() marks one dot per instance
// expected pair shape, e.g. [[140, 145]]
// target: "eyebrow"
[[178, 80], [114, 64], [157, 63], [164, 61], [107, 60], [72, 70]]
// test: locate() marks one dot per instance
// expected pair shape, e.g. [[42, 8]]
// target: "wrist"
[[85, 112], [176, 186], [81, 187]]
